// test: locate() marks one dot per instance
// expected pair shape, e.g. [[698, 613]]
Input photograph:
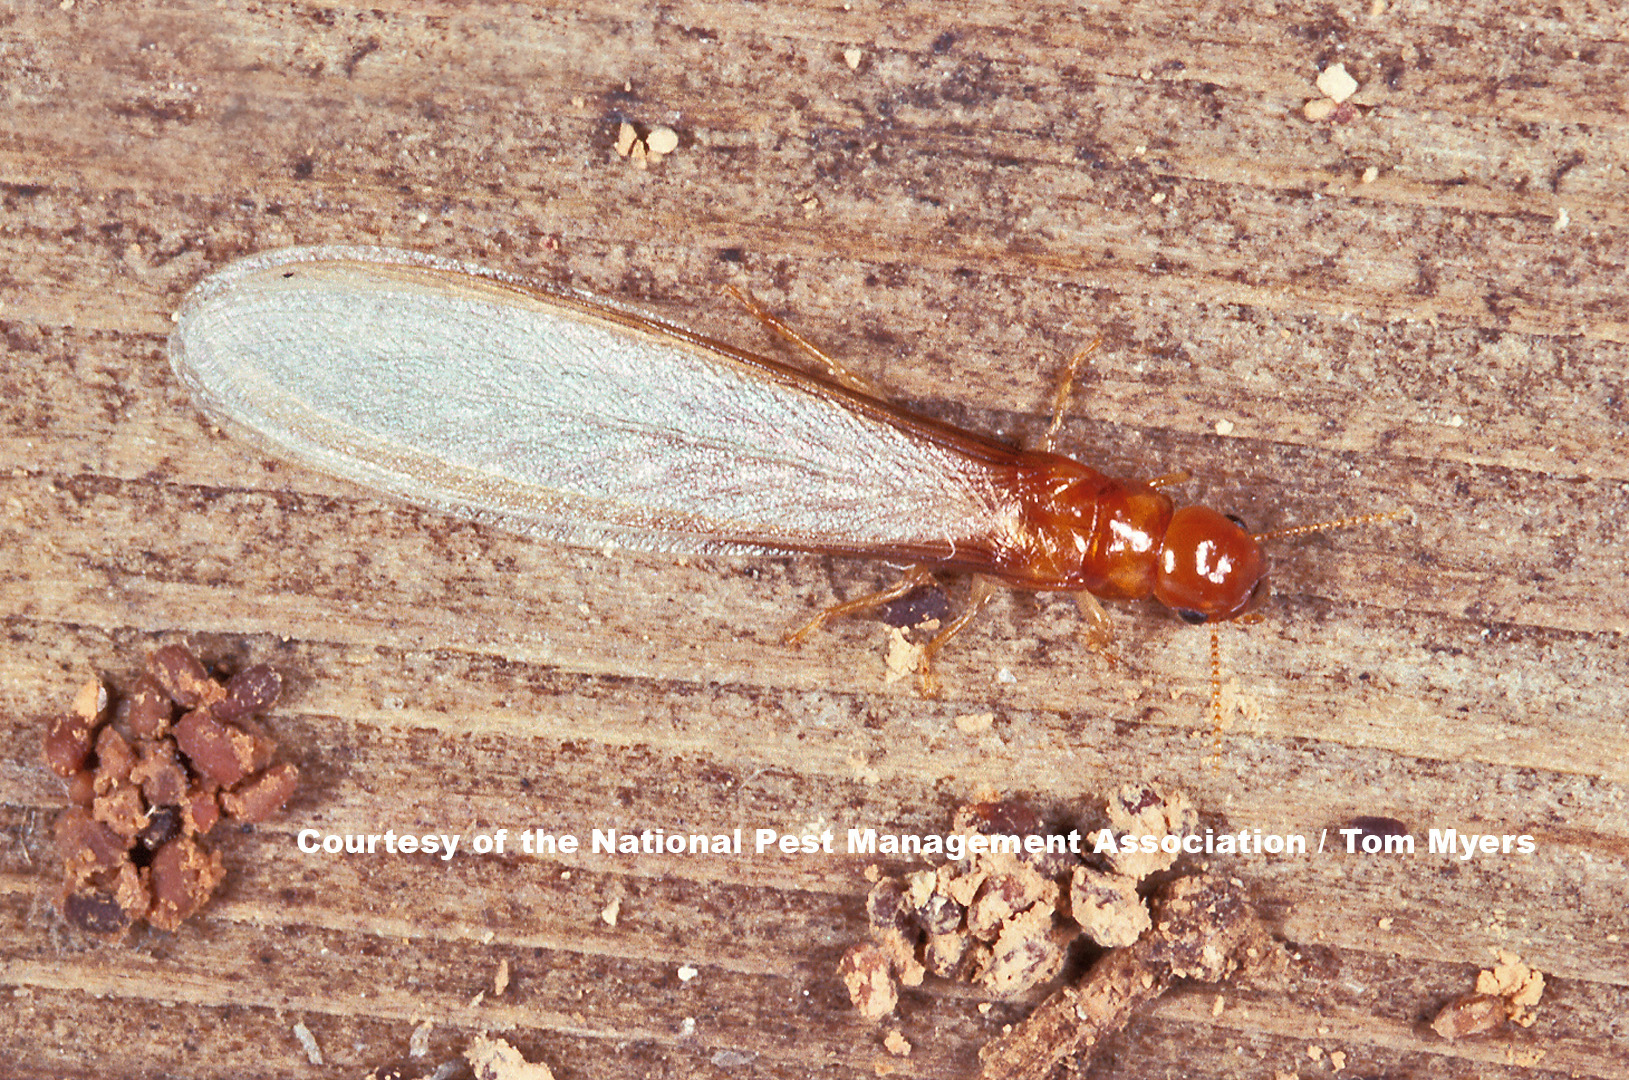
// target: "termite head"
[[1210, 569]]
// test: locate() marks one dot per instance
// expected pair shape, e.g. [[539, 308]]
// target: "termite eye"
[[1194, 617], [1237, 520]]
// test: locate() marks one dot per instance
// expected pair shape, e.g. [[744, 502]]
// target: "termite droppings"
[[147, 789]]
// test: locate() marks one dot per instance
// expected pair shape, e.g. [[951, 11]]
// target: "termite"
[[577, 420]]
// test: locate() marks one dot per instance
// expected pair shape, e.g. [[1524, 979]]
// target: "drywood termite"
[[575, 420]]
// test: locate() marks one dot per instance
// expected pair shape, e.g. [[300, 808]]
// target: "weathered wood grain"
[[977, 194]]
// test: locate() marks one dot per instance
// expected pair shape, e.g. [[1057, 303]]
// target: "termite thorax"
[[1087, 531]]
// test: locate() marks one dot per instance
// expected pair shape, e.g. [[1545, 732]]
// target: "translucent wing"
[[461, 390]]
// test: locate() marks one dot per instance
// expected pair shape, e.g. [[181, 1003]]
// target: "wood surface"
[[952, 198]]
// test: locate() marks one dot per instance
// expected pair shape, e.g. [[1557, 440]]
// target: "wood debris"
[[1202, 929], [644, 152], [495, 1059], [1505, 994]]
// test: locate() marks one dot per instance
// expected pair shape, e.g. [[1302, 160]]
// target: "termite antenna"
[[1216, 694], [1066, 386], [1336, 523]]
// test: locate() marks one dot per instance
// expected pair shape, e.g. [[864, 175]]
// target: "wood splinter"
[[1202, 930]]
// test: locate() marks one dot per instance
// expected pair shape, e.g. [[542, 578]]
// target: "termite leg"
[[914, 577], [1096, 631], [836, 370], [983, 589], [1170, 479], [1066, 386]]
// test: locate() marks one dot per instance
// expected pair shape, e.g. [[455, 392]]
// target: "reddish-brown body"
[[1084, 530], [1079, 530], [1069, 527]]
